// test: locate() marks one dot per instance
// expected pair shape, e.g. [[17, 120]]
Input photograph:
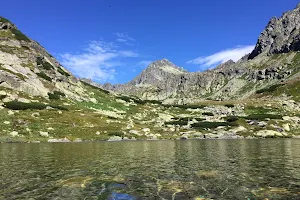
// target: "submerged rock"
[[115, 138], [59, 140]]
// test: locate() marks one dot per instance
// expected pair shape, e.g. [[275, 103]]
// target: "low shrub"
[[58, 107], [229, 105], [184, 106], [53, 96], [181, 123], [272, 88], [120, 134], [15, 105], [63, 72], [19, 35], [94, 87], [231, 118], [56, 95], [208, 114], [44, 64], [2, 97], [44, 76], [59, 93], [130, 99], [205, 125], [188, 119], [262, 116], [153, 101]]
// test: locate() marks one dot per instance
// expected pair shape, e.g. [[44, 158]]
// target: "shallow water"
[[212, 169]]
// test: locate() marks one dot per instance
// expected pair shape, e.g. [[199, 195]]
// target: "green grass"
[[44, 64], [184, 106], [229, 105], [11, 72], [2, 97], [231, 118], [181, 123], [258, 110], [44, 76], [63, 72], [4, 20], [15, 105], [96, 88], [269, 89], [208, 114], [262, 116], [56, 95], [19, 35], [205, 125]]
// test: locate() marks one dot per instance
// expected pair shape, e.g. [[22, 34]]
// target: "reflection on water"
[[198, 169]]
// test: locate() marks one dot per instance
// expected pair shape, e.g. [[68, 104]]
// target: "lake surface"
[[193, 169]]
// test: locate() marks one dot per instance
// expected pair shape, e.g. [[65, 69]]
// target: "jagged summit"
[[281, 35], [167, 66]]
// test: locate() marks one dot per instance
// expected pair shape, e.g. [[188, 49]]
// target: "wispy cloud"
[[145, 63], [97, 61], [234, 54], [124, 38]]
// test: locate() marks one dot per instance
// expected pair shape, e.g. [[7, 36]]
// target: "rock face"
[[163, 80], [281, 35], [27, 67]]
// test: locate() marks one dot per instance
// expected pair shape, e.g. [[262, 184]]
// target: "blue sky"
[[114, 40]]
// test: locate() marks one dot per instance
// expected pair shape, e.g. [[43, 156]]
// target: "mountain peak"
[[281, 35], [162, 62], [167, 66]]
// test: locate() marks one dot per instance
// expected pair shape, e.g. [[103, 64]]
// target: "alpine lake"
[[190, 169]]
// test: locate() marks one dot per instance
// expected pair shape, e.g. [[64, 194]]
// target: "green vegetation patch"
[[56, 95], [44, 64], [62, 72], [44, 76], [205, 125], [184, 106], [19, 35], [131, 99], [229, 105], [231, 118], [258, 110], [14, 73], [153, 101], [269, 89], [262, 116], [96, 88], [4, 20], [15, 105], [2, 97], [181, 123], [208, 114]]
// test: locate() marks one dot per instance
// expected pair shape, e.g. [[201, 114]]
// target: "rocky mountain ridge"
[[27, 67], [274, 60], [40, 101]]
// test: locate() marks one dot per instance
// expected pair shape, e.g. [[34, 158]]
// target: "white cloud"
[[121, 40], [234, 54], [97, 61], [145, 63], [124, 38], [128, 54]]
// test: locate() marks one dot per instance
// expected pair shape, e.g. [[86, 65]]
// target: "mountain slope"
[[27, 67], [42, 101], [274, 60]]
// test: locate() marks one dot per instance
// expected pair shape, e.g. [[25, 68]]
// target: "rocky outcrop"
[[27, 67], [163, 80], [281, 35]]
